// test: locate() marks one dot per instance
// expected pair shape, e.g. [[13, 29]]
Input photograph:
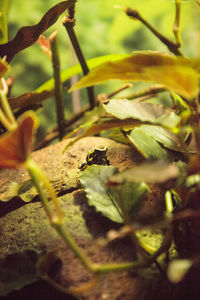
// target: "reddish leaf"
[[45, 45], [15, 146], [27, 36]]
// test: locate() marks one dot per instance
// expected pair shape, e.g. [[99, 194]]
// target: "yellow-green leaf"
[[143, 111], [175, 73]]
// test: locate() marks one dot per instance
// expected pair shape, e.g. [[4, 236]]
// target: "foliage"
[[167, 138]]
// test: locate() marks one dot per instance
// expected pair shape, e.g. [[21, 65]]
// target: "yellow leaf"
[[175, 73]]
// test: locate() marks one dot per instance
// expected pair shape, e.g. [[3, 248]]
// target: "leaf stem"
[[176, 26], [58, 89], [173, 47], [69, 23]]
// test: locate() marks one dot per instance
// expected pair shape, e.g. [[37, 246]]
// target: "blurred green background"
[[102, 28]]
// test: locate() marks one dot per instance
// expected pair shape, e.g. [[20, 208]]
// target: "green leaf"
[[66, 74], [146, 145], [153, 172], [175, 73], [163, 136], [116, 203], [181, 104], [145, 112], [18, 270]]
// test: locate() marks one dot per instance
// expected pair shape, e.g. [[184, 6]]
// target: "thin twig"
[[104, 97], [52, 135], [176, 26], [71, 11], [173, 47], [58, 85], [69, 26], [150, 91]]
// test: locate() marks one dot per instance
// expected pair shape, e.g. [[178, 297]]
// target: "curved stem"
[[39, 178], [6, 123]]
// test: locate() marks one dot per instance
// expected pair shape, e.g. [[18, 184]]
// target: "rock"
[[25, 225]]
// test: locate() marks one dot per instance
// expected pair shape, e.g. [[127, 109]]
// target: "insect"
[[96, 156]]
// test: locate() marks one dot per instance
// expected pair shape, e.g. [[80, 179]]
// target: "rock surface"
[[25, 226]]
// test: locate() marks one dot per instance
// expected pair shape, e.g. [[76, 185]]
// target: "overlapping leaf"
[[151, 172], [163, 136], [175, 73], [27, 36], [16, 145], [117, 203], [146, 145], [145, 112]]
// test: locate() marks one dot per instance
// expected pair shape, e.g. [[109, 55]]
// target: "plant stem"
[[58, 89], [7, 112], [116, 267], [4, 10], [176, 26], [71, 11], [69, 24], [57, 222], [85, 287], [64, 233], [40, 179], [150, 91], [168, 202], [5, 122], [173, 47]]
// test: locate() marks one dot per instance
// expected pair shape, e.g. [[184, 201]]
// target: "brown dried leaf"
[[27, 36]]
